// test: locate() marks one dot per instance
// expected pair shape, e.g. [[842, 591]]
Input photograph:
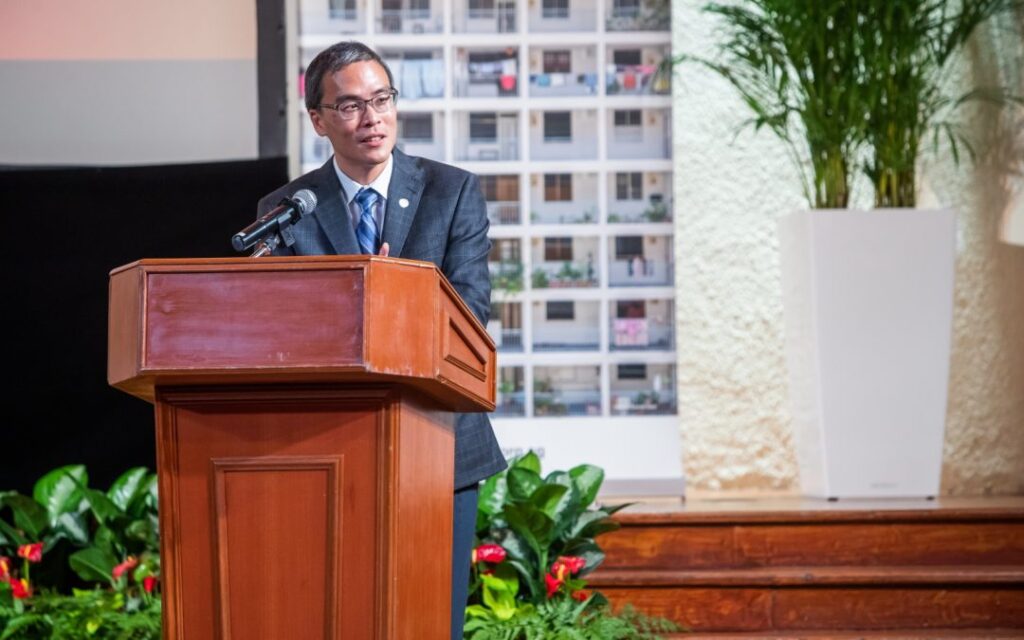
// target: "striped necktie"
[[366, 230]]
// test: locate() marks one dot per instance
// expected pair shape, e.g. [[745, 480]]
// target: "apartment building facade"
[[563, 109]]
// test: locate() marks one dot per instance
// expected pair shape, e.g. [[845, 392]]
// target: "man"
[[372, 198]]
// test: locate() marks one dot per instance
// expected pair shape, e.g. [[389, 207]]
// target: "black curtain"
[[65, 230]]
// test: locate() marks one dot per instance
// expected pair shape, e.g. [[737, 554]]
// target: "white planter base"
[[868, 299]]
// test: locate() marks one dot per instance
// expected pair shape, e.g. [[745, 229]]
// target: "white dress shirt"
[[349, 189]]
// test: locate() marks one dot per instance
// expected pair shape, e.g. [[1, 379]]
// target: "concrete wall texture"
[[730, 190]]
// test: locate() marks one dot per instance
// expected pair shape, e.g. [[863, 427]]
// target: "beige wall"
[[734, 412]]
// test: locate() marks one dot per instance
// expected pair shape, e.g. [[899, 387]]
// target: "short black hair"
[[333, 59]]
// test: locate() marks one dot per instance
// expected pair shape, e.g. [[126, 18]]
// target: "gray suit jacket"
[[445, 223]]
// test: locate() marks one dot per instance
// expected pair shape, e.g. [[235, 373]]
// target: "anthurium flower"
[[21, 589], [566, 566], [5, 568], [129, 563], [31, 552], [149, 583], [553, 582], [580, 594], [489, 553]]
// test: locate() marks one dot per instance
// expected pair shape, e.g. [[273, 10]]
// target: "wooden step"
[[934, 571]]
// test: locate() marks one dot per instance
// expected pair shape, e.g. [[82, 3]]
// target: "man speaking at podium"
[[374, 199]]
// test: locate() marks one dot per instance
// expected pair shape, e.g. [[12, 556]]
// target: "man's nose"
[[369, 117]]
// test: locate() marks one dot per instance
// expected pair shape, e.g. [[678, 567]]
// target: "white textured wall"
[[729, 191]]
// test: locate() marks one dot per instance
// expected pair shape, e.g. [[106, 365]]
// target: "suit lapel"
[[331, 212], [406, 187]]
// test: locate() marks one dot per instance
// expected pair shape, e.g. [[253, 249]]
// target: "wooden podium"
[[304, 439]]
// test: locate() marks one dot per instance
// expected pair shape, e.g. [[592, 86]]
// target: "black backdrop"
[[65, 229]]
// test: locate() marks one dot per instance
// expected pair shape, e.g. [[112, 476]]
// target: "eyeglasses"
[[354, 107]]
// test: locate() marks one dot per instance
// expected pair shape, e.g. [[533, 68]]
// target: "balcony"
[[567, 391], [564, 213], [635, 134], [337, 19], [564, 262], [549, 19], [500, 19], [417, 79], [511, 399], [637, 80], [566, 325], [486, 73], [563, 135], [421, 134], [499, 213], [639, 334], [563, 198], [506, 276], [646, 15], [643, 389], [639, 272], [487, 136], [543, 85], [409, 21], [505, 338]]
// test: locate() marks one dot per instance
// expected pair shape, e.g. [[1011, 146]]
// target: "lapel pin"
[[402, 202]]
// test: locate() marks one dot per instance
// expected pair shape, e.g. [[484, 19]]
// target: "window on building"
[[555, 8], [486, 67], [628, 118], [561, 310], [556, 249], [504, 250], [632, 371], [481, 8], [419, 8], [626, 57], [557, 126], [630, 309], [625, 8], [483, 127], [557, 61], [342, 9], [500, 188], [416, 127], [558, 187], [629, 186], [627, 247]]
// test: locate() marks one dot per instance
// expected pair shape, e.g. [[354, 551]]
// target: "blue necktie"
[[366, 230]]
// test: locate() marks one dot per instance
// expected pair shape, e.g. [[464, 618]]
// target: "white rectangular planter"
[[868, 300]]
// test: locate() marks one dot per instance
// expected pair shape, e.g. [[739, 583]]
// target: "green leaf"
[[74, 527], [105, 539], [587, 479], [141, 530], [528, 461], [102, 507], [522, 483], [532, 524], [58, 490], [93, 564], [130, 484], [492, 494], [29, 515], [548, 497], [499, 591], [12, 535]]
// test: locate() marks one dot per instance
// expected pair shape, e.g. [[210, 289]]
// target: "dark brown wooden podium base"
[[281, 512]]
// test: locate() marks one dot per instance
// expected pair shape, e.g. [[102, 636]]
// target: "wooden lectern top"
[[319, 319]]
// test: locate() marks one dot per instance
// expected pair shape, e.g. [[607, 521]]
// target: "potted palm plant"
[[850, 87]]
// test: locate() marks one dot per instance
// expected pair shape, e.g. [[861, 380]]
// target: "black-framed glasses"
[[354, 107]]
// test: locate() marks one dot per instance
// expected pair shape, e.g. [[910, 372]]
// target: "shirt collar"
[[351, 187]]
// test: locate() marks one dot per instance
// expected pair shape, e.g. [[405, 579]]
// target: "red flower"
[[580, 594], [567, 565], [553, 583], [21, 588], [489, 553], [31, 552], [129, 563], [5, 568], [149, 583]]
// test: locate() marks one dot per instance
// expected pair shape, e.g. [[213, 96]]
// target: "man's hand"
[[385, 249]]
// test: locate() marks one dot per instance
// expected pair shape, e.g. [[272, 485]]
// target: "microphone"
[[286, 213]]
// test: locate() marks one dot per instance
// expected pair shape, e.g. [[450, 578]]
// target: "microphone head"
[[306, 200]]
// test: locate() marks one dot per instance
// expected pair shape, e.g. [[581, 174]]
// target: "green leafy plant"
[[536, 543], [540, 279], [911, 46], [110, 542], [833, 79], [507, 278]]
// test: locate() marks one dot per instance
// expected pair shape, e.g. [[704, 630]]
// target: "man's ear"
[[318, 123]]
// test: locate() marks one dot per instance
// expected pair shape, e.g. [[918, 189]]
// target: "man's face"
[[363, 144]]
